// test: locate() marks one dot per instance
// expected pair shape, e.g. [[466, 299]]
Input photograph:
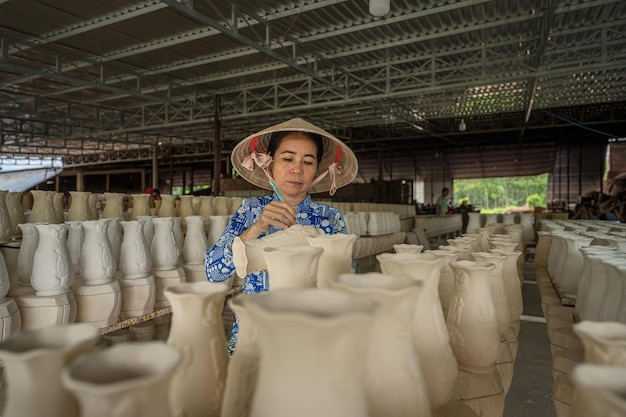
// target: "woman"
[[296, 152]]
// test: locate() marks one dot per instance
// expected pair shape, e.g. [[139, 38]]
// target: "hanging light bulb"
[[379, 8], [462, 126]]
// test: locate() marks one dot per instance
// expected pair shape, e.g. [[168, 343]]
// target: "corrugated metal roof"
[[26, 179], [117, 77]]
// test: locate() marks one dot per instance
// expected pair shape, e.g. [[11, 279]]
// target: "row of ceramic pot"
[[526, 220], [565, 248], [284, 255], [372, 223], [100, 270], [588, 357]]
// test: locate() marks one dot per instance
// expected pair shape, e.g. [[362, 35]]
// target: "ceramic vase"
[[52, 273], [394, 382], [313, 347], [58, 201], [473, 223], [593, 282], [168, 206], [16, 211], [512, 286], [97, 265], [293, 266], [526, 221], [446, 278], [179, 237], [217, 224], [114, 206], [141, 206], [186, 207], [92, 206], [408, 248], [542, 250], [599, 391], [164, 250], [11, 252], [6, 227], [248, 255], [198, 384], [124, 380], [114, 236], [336, 258], [135, 259], [137, 283], [43, 207], [498, 292], [604, 343], [79, 206], [430, 335], [243, 366], [472, 321], [614, 301], [221, 206], [75, 240], [33, 361], [148, 229], [567, 279], [195, 243], [30, 241]]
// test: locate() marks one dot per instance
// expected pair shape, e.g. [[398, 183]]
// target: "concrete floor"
[[530, 394]]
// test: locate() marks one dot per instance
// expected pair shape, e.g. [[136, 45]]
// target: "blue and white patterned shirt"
[[219, 258]]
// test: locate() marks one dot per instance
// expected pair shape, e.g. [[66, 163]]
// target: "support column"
[[80, 182], [155, 169]]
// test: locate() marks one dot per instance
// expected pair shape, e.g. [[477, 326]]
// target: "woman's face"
[[294, 166]]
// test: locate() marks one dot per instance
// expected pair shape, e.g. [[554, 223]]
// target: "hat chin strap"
[[332, 171]]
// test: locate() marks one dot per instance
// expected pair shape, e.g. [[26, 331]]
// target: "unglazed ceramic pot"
[[16, 211], [408, 248], [604, 342], [395, 385], [569, 272], [496, 281], [313, 346], [472, 321], [148, 229], [114, 206], [79, 206], [430, 335], [336, 258], [243, 366], [43, 207], [446, 278], [25, 260], [114, 235], [542, 250], [164, 249], [528, 231], [221, 206], [474, 223], [10, 252], [512, 286], [97, 265], [58, 200], [248, 255], [293, 266], [33, 360], [599, 391], [195, 244], [186, 207], [198, 383], [130, 379], [135, 259], [168, 206], [141, 206], [75, 240], [217, 224], [53, 272]]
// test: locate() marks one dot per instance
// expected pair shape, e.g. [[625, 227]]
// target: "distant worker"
[[442, 202]]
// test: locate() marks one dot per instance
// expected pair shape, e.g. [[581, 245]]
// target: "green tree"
[[502, 193]]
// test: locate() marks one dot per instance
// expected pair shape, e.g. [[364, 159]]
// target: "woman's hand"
[[278, 214]]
